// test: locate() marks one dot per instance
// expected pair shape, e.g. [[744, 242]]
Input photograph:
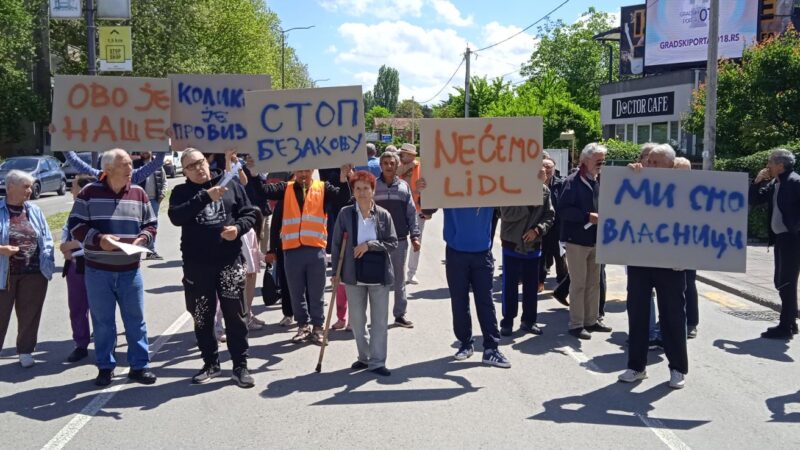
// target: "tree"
[[18, 102], [409, 108], [387, 88], [482, 94], [369, 100], [571, 53], [375, 113], [758, 100]]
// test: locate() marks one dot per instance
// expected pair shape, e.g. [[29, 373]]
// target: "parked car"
[[172, 164], [69, 172], [46, 170]]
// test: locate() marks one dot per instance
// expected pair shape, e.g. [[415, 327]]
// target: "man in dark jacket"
[[577, 207], [155, 186], [551, 249], [778, 186], [212, 219]]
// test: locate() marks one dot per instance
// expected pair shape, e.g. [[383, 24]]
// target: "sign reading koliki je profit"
[[208, 111], [306, 128], [674, 219], [481, 162], [94, 113]]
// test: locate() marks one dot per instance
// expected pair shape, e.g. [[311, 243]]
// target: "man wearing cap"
[[395, 195]]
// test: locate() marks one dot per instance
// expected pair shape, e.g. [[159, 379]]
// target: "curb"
[[747, 295]]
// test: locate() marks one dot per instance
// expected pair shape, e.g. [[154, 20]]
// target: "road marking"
[[62, 438], [582, 359], [665, 434]]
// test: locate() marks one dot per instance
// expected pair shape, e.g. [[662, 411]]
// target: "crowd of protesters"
[[366, 225]]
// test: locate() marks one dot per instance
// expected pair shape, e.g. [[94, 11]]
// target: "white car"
[[172, 164]]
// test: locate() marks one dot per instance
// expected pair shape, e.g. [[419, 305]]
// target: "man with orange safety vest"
[[409, 171], [303, 240]]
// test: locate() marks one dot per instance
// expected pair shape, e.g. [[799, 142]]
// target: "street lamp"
[[314, 83], [283, 48]]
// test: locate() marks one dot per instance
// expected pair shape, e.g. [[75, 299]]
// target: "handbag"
[[371, 267]]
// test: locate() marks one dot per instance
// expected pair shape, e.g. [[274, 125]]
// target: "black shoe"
[[155, 256], [530, 328], [382, 371], [598, 328], [560, 297], [208, 372], [358, 365], [241, 376], [580, 333], [778, 333], [691, 333], [794, 327], [78, 354], [506, 331], [143, 376], [104, 377], [655, 344], [403, 322]]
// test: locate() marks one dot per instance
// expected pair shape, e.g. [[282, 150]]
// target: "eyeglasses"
[[195, 165]]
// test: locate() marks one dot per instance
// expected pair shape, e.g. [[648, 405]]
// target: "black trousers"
[[670, 286], [280, 274], [787, 268], [551, 254], [203, 284], [467, 271], [514, 270], [692, 308]]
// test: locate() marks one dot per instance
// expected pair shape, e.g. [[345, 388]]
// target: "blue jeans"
[[105, 289], [154, 204]]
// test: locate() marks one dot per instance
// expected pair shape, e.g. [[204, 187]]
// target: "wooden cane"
[[333, 302]]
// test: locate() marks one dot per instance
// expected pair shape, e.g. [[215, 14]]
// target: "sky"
[[423, 39]]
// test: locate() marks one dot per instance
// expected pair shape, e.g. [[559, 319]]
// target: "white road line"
[[62, 438], [582, 359], [667, 437]]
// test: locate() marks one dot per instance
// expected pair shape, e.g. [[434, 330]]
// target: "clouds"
[[445, 10], [448, 12], [426, 57]]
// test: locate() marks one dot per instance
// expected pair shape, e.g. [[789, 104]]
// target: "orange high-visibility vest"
[[411, 177], [308, 227]]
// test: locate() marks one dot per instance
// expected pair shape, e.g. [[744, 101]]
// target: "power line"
[[446, 83], [523, 30]]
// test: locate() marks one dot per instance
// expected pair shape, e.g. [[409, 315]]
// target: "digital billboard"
[[631, 43], [677, 30]]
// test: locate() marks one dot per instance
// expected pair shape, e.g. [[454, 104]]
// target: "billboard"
[[677, 30], [631, 43], [775, 17]]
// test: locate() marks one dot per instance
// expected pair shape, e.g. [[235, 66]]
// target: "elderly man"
[[778, 185], [104, 213], [213, 219], [395, 195], [373, 164], [304, 237], [578, 210], [670, 286], [155, 186], [551, 249]]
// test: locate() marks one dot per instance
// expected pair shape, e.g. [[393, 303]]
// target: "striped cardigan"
[[98, 211]]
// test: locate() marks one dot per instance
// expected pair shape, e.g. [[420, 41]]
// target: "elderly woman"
[[366, 270], [26, 263]]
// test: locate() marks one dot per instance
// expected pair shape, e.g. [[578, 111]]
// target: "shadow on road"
[[442, 293], [771, 349], [615, 404], [777, 405], [349, 381]]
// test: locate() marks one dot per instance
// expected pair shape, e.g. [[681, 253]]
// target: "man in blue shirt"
[[373, 163]]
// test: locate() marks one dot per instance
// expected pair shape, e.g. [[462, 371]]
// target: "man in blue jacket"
[[577, 209], [779, 187]]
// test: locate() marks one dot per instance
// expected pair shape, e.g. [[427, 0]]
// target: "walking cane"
[[333, 302]]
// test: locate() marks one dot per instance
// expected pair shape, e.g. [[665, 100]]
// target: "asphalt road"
[[741, 391]]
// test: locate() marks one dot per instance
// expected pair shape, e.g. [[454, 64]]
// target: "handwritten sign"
[[92, 113], [306, 128], [481, 162], [675, 219], [208, 111]]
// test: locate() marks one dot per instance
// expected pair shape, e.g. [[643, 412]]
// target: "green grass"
[[56, 223]]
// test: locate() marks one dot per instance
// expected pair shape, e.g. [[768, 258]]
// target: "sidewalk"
[[756, 285]]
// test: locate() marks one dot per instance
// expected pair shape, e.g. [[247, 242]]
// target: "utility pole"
[[283, 49], [413, 117], [41, 74], [710, 131], [466, 84], [91, 37]]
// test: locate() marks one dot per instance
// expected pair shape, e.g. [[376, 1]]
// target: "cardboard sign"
[[306, 128], [93, 113], [208, 111], [674, 219], [481, 162]]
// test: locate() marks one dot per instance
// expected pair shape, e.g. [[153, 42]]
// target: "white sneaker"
[[253, 325], [26, 360], [287, 321], [677, 380], [412, 279], [630, 376]]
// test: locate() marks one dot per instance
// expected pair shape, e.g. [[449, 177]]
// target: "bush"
[[621, 150], [754, 162], [757, 223]]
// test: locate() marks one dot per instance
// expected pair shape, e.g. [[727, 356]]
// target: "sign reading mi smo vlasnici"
[[661, 104], [673, 219]]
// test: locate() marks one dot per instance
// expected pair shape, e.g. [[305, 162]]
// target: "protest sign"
[[92, 113], [305, 128], [674, 219], [208, 111], [481, 162]]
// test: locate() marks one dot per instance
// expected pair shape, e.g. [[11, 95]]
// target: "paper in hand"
[[229, 175], [130, 249]]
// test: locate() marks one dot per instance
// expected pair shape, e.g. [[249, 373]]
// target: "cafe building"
[[650, 109]]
